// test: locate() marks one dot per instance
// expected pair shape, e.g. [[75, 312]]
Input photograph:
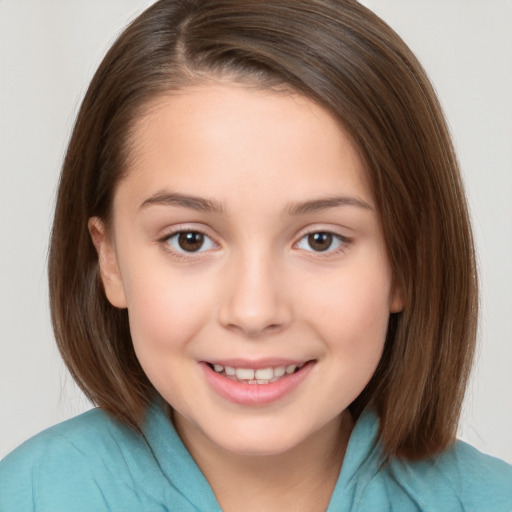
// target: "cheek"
[[352, 313], [352, 321], [165, 312]]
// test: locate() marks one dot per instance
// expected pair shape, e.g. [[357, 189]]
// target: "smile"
[[238, 383], [256, 376]]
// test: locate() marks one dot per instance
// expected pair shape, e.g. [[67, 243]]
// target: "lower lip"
[[255, 394]]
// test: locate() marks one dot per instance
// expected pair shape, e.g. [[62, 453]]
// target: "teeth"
[[259, 376], [244, 374], [264, 373], [290, 368], [279, 371]]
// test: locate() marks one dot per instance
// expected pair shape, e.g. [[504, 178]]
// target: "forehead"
[[206, 137]]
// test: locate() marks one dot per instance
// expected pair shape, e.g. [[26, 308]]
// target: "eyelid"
[[181, 254], [344, 241]]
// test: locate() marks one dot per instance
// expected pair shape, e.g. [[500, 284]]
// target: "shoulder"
[[87, 433], [461, 476], [94, 462], [485, 480], [459, 479], [64, 465]]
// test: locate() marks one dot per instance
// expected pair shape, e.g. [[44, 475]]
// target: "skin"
[[257, 288]]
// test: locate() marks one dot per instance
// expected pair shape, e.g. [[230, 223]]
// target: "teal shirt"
[[94, 463]]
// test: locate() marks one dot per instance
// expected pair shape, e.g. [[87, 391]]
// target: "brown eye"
[[320, 241], [190, 241]]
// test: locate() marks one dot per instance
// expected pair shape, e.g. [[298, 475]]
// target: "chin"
[[268, 437], [258, 446]]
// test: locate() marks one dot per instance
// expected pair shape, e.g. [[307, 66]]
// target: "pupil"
[[320, 241], [190, 241]]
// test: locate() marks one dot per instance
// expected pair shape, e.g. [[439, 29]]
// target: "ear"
[[107, 262], [397, 299]]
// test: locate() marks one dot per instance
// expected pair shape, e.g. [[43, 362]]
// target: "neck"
[[301, 479]]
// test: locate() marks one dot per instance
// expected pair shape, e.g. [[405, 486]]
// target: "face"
[[247, 248]]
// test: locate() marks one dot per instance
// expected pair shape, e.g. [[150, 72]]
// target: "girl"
[[262, 272]]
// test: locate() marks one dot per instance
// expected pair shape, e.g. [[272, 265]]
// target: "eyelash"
[[183, 254], [180, 253], [343, 242]]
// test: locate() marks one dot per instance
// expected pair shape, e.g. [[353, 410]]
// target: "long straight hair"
[[342, 56]]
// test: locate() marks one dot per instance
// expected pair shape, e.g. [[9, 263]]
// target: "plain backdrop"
[[49, 50]]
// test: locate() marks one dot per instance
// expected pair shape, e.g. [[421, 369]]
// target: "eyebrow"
[[314, 205], [183, 200], [210, 205]]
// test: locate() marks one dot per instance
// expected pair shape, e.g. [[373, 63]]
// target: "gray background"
[[49, 50]]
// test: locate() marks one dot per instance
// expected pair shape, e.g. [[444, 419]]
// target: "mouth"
[[256, 383], [262, 376]]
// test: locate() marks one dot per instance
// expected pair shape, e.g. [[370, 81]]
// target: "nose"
[[255, 301]]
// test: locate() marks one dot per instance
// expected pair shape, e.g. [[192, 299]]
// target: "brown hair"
[[342, 56]]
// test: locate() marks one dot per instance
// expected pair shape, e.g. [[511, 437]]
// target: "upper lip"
[[257, 364]]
